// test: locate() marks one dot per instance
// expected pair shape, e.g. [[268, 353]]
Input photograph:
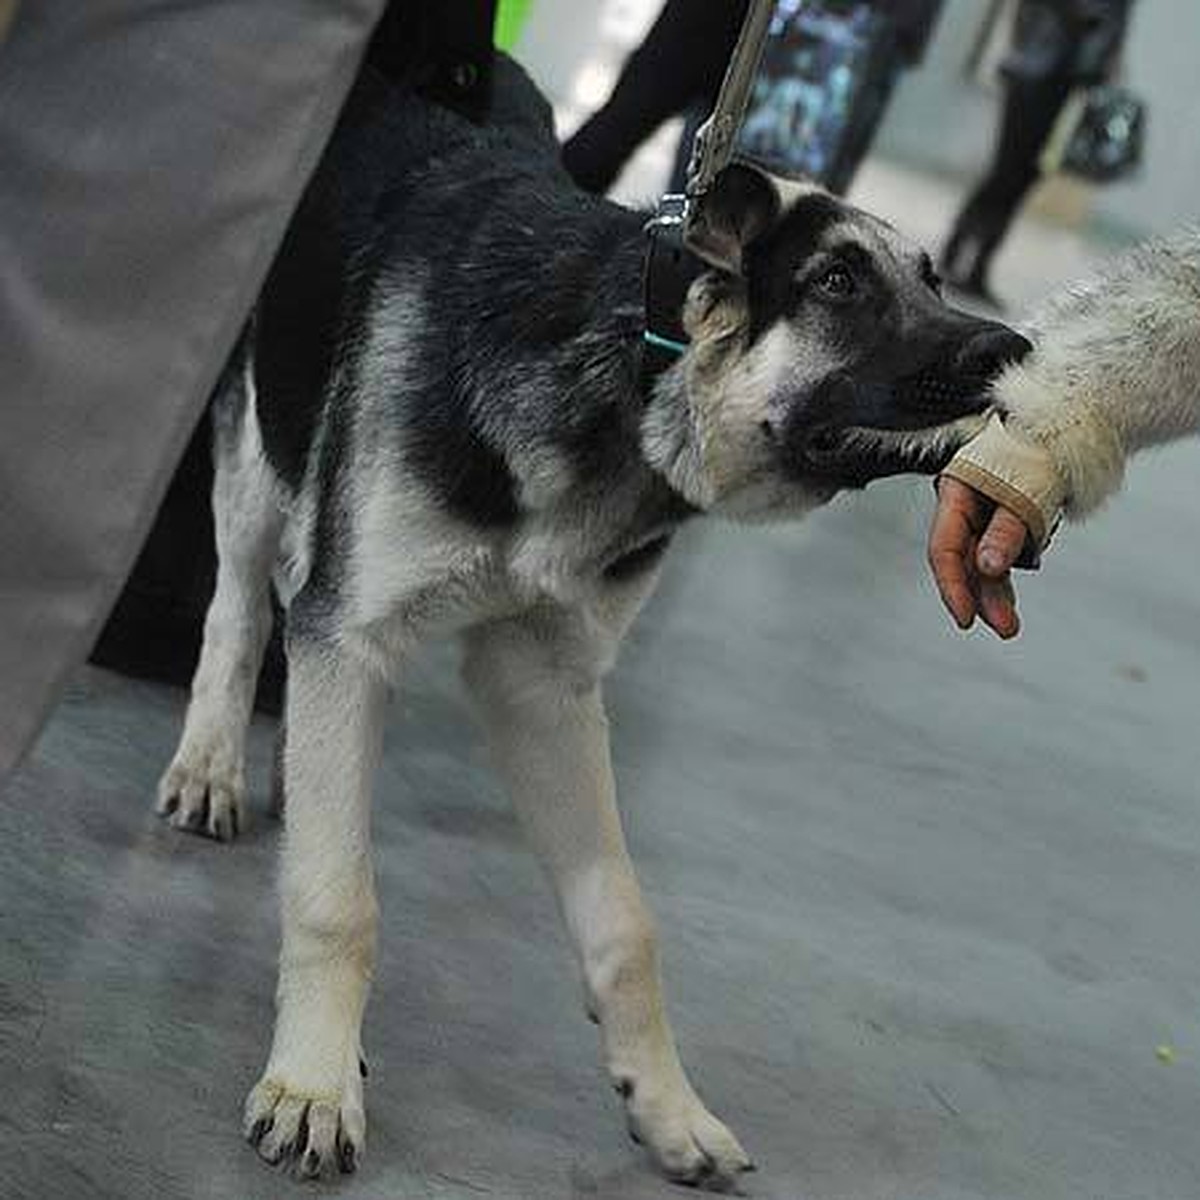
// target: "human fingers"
[[951, 549], [998, 605], [1001, 543]]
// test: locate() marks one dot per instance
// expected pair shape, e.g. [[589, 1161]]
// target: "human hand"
[[973, 544]]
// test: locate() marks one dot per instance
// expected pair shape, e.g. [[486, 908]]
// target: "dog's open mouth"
[[854, 455]]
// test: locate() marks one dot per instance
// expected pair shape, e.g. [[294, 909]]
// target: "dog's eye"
[[838, 283]]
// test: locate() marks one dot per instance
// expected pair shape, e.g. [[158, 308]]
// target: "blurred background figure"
[[678, 68], [1058, 46], [828, 73]]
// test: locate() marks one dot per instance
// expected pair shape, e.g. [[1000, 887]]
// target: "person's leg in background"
[[152, 156], [1031, 107], [862, 133], [682, 60]]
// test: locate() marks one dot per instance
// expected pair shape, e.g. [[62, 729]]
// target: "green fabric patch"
[[510, 19]]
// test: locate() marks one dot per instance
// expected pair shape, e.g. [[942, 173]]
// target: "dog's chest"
[[422, 575]]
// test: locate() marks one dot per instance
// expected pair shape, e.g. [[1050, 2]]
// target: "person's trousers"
[[151, 153], [1031, 107], [681, 63]]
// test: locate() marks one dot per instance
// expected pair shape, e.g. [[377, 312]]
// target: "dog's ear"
[[741, 204]]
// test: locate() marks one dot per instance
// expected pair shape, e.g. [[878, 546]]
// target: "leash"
[[712, 147], [669, 264]]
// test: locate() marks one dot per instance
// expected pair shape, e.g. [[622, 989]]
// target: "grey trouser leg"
[[151, 153]]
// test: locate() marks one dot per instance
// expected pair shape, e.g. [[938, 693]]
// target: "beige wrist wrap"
[[1015, 472]]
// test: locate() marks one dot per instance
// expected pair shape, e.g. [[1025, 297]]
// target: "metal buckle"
[[669, 268]]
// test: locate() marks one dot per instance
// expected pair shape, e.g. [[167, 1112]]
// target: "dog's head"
[[826, 357]]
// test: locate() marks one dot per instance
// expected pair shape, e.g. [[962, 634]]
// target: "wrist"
[[1017, 472], [1047, 406]]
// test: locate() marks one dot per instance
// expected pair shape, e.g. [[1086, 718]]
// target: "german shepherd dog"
[[437, 421]]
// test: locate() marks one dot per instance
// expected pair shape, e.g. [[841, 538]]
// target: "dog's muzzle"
[[850, 432], [853, 456]]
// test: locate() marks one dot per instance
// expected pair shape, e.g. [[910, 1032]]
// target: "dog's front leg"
[[545, 721], [309, 1102]]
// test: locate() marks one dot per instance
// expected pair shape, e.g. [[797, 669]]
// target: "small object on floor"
[[1165, 1054]]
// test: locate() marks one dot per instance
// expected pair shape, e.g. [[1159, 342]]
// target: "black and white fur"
[[436, 424]]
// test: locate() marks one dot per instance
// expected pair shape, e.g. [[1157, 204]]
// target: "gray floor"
[[929, 904]]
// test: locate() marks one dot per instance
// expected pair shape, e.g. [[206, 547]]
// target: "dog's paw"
[[323, 1134], [690, 1145], [198, 796]]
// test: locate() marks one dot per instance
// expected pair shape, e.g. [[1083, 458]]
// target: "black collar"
[[668, 271]]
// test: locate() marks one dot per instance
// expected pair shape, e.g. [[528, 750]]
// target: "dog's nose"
[[989, 350]]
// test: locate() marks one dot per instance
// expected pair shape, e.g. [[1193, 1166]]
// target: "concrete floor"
[[929, 904]]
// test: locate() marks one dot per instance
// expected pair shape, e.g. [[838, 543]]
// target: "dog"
[[438, 422]]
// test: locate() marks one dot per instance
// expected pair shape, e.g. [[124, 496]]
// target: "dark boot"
[[964, 263]]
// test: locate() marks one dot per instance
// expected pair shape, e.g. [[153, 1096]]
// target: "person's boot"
[[951, 262], [975, 288], [963, 267]]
